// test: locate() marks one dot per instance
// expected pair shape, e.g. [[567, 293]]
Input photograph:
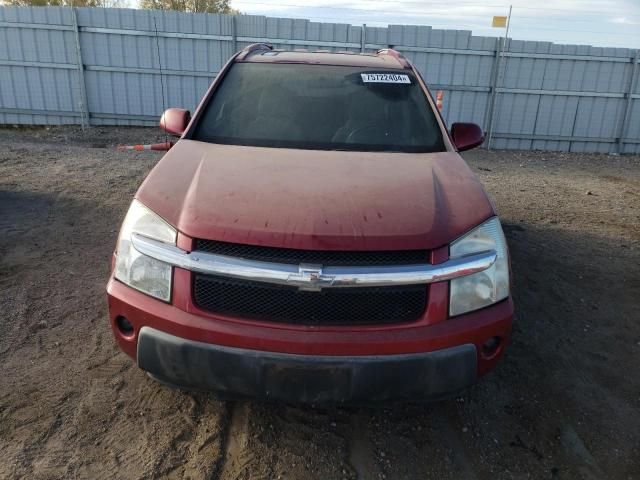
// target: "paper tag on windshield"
[[384, 78]]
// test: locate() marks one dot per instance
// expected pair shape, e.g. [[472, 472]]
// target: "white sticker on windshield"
[[384, 78]]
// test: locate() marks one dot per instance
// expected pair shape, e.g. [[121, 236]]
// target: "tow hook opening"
[[491, 347], [124, 326]]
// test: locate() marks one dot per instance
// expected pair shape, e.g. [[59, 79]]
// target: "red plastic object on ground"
[[162, 147]]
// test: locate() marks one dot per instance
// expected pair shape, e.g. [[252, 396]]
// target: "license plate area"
[[313, 384]]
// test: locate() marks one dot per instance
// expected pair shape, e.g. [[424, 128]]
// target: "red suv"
[[314, 236]]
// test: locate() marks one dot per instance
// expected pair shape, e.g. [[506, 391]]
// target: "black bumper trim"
[[308, 379]]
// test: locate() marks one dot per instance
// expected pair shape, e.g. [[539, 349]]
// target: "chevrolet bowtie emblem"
[[310, 278]]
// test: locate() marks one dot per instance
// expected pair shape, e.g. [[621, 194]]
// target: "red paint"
[[175, 121], [466, 136], [142, 310], [313, 199], [309, 199]]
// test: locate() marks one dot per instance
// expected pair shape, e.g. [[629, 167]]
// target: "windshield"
[[320, 107]]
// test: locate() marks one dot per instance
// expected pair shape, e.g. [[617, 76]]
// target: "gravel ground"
[[564, 403]]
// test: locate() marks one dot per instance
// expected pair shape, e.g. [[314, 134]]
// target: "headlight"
[[484, 288], [144, 273]]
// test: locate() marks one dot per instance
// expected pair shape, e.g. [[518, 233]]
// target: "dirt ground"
[[564, 403]]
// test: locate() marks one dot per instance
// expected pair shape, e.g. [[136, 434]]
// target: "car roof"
[[387, 59]]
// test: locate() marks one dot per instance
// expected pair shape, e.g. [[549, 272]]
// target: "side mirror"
[[466, 136], [175, 121]]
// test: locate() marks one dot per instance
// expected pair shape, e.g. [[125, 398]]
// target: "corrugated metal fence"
[[103, 67]]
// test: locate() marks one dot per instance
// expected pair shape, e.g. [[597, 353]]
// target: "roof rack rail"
[[395, 54], [246, 51]]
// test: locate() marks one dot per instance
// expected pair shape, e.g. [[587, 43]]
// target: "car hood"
[[315, 199]]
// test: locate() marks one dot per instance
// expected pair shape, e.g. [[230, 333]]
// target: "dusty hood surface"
[[311, 199]]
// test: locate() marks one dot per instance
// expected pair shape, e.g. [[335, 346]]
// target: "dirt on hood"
[[313, 199]]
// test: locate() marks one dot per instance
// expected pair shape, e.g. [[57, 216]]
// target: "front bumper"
[[427, 359], [305, 378]]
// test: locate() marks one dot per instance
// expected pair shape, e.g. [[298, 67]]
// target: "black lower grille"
[[332, 306]]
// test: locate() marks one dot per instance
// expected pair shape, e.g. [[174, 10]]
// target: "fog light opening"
[[491, 347], [124, 326]]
